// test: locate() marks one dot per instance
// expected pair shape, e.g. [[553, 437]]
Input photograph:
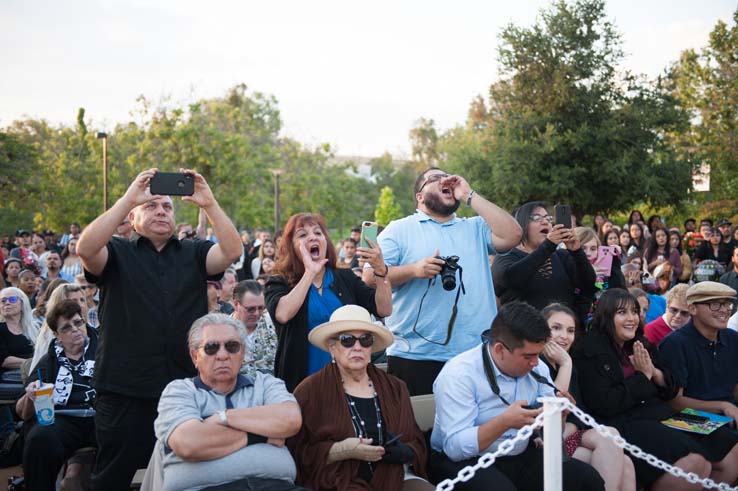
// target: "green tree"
[[563, 125], [706, 83], [387, 210], [18, 161], [399, 176], [424, 140]]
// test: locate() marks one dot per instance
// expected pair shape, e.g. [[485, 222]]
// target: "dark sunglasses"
[[433, 178], [77, 324], [251, 310], [10, 300], [212, 347], [366, 340]]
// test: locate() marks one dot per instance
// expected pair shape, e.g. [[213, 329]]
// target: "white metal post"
[[552, 446]]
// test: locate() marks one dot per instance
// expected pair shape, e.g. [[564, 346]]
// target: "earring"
[[333, 360]]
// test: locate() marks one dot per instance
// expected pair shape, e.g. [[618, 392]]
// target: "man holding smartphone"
[[421, 309], [152, 287]]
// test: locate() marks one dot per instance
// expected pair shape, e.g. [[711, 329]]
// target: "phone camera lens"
[[180, 184]]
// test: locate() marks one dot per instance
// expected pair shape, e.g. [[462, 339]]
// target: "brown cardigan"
[[326, 420]]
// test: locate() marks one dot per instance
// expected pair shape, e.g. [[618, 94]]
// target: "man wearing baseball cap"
[[703, 354]]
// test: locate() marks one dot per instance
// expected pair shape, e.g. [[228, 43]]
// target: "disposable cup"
[[44, 405]]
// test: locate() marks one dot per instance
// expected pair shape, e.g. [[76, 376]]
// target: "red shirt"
[[656, 330]]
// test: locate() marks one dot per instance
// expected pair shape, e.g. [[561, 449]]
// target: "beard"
[[433, 203]]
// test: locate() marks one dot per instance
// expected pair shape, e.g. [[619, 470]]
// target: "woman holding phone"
[[539, 272], [307, 287]]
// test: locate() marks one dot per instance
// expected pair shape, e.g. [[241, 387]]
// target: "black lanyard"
[[492, 378]]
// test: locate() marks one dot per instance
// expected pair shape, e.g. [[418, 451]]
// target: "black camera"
[[448, 271]]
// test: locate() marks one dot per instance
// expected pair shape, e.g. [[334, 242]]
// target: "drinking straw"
[[38, 371]]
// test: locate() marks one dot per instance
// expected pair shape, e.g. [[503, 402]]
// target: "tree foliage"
[[387, 209], [233, 141], [564, 126], [706, 84]]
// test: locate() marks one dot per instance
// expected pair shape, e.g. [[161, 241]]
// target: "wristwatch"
[[223, 417], [468, 199]]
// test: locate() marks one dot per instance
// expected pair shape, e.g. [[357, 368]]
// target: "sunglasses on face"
[[676, 311], [77, 324], [251, 310], [433, 178], [366, 340], [10, 300], [212, 347]]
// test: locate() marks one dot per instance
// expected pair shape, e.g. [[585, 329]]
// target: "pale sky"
[[355, 75]]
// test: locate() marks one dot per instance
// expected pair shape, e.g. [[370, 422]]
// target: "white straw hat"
[[350, 318]]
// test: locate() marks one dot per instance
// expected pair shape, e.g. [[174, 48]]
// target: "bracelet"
[[386, 270], [468, 199]]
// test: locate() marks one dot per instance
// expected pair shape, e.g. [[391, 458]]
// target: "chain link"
[[558, 405], [505, 448]]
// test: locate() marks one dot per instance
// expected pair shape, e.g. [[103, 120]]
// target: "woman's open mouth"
[[315, 251]]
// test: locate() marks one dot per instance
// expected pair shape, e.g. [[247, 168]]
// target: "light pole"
[[104, 137], [276, 173]]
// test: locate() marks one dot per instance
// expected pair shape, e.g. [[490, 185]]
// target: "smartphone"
[[562, 213], [368, 231], [392, 440], [172, 184], [535, 405], [603, 262]]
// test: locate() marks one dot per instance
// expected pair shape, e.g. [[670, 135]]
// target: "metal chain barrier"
[[561, 404], [505, 448], [640, 454]]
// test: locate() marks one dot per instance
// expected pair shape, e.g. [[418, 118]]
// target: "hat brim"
[[320, 335], [708, 298]]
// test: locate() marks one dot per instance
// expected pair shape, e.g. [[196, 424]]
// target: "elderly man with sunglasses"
[[703, 355], [222, 430], [261, 338], [433, 325]]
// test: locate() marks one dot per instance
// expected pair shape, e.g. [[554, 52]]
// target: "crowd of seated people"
[[265, 380]]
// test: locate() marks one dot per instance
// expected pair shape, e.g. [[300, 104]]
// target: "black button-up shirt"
[[148, 301], [706, 370]]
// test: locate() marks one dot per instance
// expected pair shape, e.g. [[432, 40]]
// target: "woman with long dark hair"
[[307, 287], [635, 217], [580, 441], [675, 241], [623, 384], [636, 236], [659, 251], [539, 272]]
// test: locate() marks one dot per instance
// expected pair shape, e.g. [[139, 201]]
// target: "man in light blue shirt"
[[484, 396], [421, 307]]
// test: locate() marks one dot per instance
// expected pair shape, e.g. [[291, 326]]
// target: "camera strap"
[[454, 311], [489, 371]]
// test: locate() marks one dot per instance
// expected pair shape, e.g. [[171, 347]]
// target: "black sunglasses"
[[211, 348], [366, 340]]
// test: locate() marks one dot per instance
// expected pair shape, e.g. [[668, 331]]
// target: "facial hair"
[[434, 204]]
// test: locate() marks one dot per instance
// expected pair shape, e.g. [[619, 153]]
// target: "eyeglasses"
[[212, 347], [255, 308], [433, 178], [676, 311], [10, 300], [366, 340], [77, 324], [716, 305], [539, 218]]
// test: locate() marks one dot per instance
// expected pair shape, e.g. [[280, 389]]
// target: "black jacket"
[[612, 398], [291, 360]]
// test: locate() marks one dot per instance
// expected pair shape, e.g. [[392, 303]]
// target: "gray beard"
[[434, 204]]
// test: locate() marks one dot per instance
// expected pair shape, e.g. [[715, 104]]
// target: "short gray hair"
[[194, 337]]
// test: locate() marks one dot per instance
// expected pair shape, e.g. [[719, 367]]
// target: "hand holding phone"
[[562, 214], [368, 231], [172, 184]]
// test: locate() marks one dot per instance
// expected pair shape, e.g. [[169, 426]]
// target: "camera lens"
[[180, 184]]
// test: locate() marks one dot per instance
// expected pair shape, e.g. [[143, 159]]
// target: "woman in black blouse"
[[538, 271], [624, 385]]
